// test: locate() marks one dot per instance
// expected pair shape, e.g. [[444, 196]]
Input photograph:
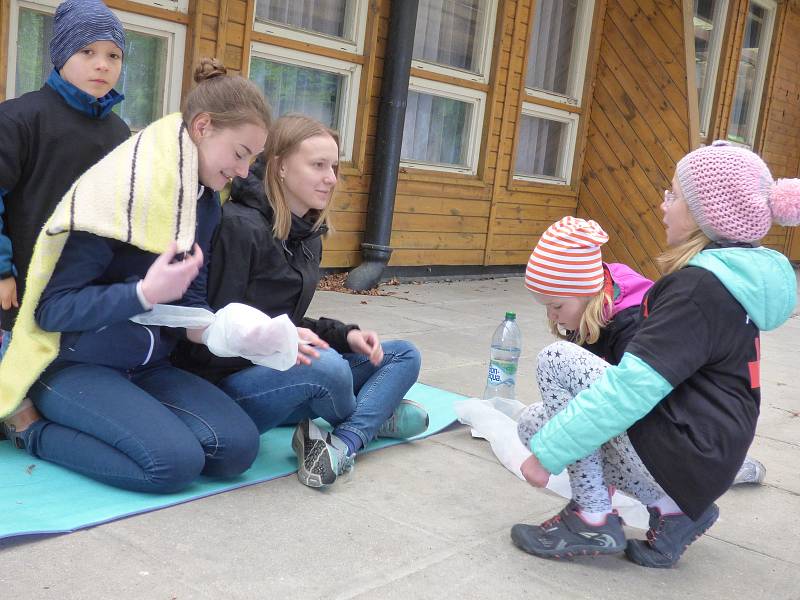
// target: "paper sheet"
[[489, 419]]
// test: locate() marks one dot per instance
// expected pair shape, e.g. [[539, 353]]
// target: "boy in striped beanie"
[[79, 23], [75, 104]]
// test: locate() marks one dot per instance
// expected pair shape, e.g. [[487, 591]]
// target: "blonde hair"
[[595, 317], [284, 139], [229, 100], [676, 257]]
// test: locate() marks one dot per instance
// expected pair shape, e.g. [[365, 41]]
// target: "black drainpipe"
[[375, 249]]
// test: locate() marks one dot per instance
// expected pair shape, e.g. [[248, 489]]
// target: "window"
[[335, 24], [545, 145], [442, 129], [151, 71], [454, 37], [751, 72], [558, 50], [320, 87], [554, 73], [709, 27], [442, 126], [309, 81]]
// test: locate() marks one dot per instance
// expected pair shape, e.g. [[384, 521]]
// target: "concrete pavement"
[[428, 519]]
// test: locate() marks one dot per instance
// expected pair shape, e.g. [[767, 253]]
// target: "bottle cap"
[[511, 315]]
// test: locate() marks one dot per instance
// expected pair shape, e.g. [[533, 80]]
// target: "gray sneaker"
[[751, 471], [316, 467], [408, 419], [567, 535], [668, 537], [341, 460]]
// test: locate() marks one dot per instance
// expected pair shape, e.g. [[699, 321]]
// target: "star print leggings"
[[564, 370]]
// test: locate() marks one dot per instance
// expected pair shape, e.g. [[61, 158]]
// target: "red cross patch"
[[755, 367]]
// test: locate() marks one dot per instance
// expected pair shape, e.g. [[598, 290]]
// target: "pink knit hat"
[[731, 194], [566, 261]]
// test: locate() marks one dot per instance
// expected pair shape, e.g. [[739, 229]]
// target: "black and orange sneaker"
[[668, 537], [567, 535]]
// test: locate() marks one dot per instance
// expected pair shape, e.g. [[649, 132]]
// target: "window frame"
[[181, 6], [352, 83], [354, 46], [566, 159], [706, 102], [760, 78], [175, 34], [486, 45], [474, 130], [582, 38]]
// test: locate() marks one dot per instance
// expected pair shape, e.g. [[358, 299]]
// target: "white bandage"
[[241, 330]]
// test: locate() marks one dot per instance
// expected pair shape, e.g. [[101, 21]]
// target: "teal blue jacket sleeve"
[[6, 264], [623, 395]]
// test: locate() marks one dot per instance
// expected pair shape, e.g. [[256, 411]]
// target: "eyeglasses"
[[669, 197]]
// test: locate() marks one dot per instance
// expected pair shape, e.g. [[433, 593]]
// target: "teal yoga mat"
[[38, 498]]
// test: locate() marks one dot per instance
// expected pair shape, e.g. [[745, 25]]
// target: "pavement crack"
[[753, 550], [367, 589], [778, 440]]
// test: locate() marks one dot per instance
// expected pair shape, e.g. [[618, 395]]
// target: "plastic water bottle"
[[503, 359]]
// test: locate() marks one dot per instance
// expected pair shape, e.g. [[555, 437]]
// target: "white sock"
[[666, 506], [594, 518]]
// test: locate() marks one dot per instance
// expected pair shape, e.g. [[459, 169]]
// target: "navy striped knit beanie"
[[79, 23]]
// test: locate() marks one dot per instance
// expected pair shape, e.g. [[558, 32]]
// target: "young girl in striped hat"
[[672, 422]]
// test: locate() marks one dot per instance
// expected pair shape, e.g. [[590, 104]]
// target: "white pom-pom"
[[784, 201]]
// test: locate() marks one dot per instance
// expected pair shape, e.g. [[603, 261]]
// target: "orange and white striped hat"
[[566, 260]]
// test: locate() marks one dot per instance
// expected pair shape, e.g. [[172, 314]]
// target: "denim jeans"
[[154, 429], [344, 389], [5, 342]]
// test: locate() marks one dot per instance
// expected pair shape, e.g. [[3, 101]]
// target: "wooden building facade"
[[519, 111]]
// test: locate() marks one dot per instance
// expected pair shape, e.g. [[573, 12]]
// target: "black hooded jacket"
[[251, 266]]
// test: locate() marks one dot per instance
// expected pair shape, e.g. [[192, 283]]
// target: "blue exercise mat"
[[37, 497]]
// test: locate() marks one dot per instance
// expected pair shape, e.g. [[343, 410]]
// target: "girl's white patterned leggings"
[[564, 370]]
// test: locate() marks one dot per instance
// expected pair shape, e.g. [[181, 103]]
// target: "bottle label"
[[502, 372]]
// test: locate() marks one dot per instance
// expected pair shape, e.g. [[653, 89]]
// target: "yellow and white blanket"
[[144, 193]]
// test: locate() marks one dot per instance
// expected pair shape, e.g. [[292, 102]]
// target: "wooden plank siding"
[[780, 142], [636, 119], [638, 127]]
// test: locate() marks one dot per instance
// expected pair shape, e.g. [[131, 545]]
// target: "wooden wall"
[[635, 123], [638, 127], [780, 134]]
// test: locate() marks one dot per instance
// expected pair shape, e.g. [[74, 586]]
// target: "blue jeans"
[[154, 429], [5, 342], [344, 389]]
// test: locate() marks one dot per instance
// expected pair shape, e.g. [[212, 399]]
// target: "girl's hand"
[[167, 281], [366, 342], [534, 473], [8, 293], [308, 342]]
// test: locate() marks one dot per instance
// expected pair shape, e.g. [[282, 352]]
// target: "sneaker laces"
[[551, 521], [390, 424], [345, 462]]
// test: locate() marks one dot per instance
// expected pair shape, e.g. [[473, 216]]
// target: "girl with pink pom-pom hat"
[[686, 392]]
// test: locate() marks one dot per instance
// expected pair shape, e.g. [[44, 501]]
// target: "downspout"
[[375, 250]]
